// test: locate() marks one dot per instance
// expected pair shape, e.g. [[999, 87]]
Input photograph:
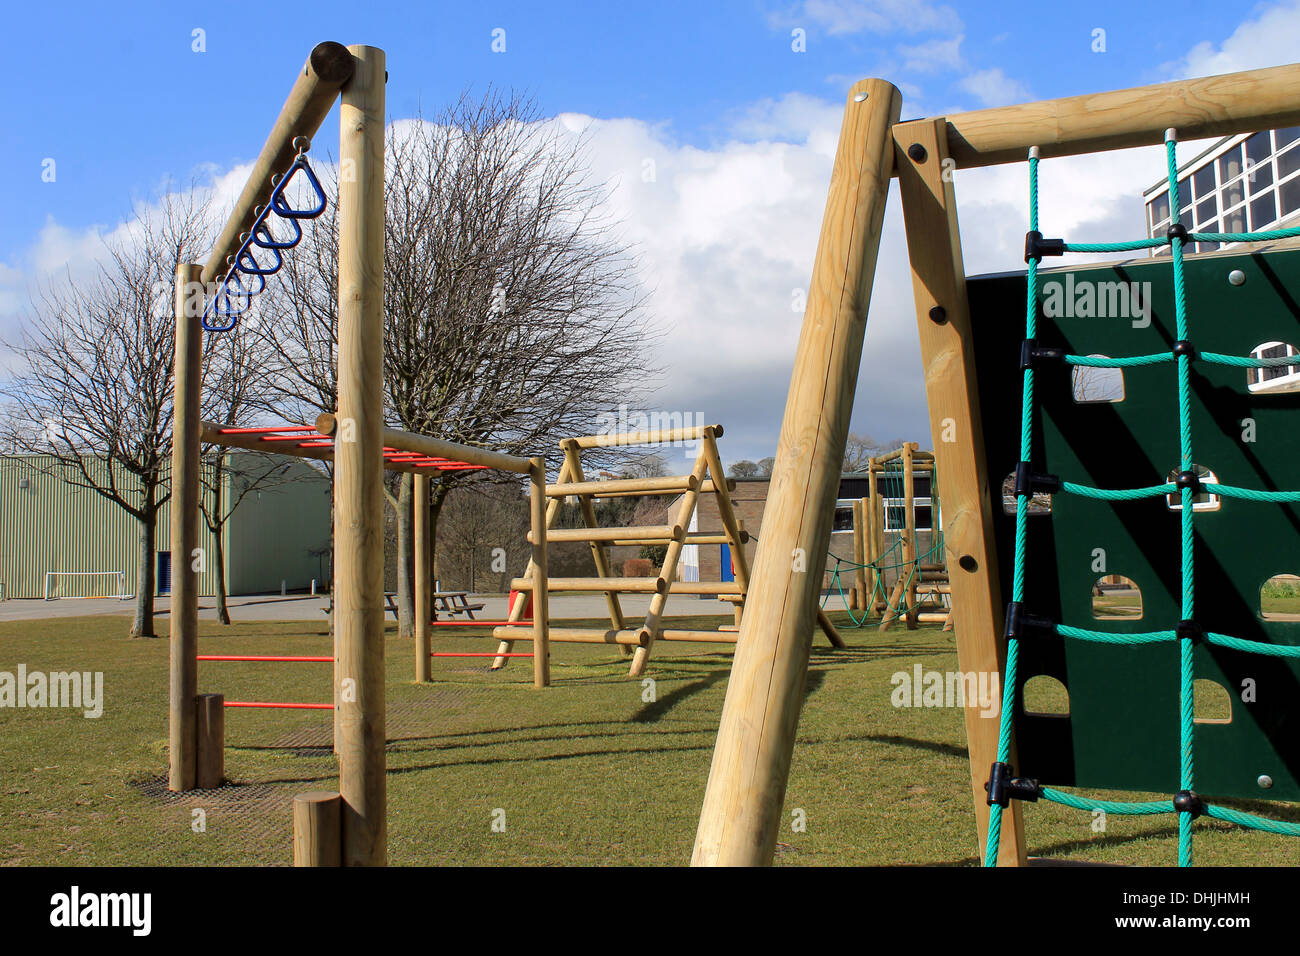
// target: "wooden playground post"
[[760, 715], [943, 323], [422, 556], [859, 592], [874, 549], [541, 596], [911, 553], [184, 619], [358, 466], [316, 829]]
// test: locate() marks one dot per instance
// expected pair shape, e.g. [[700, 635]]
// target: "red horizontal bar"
[[263, 657], [481, 654], [266, 431], [297, 438], [276, 705], [474, 623]]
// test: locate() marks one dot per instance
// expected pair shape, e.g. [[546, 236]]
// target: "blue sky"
[[107, 88], [116, 96]]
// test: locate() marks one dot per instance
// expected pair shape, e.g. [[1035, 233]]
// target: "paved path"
[[301, 607]]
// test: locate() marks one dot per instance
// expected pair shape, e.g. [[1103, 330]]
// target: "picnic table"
[[450, 603], [453, 604]]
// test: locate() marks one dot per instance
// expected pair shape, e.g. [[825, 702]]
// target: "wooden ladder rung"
[[612, 585], [673, 485], [567, 635], [652, 533]]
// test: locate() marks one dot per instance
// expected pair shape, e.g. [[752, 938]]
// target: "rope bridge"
[[892, 559], [1003, 786]]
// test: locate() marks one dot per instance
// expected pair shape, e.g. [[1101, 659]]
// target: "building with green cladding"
[[63, 540]]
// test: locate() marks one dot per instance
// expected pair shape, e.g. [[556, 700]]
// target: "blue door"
[[728, 572], [164, 572]]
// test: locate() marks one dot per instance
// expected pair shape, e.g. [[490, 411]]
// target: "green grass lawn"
[[590, 771]]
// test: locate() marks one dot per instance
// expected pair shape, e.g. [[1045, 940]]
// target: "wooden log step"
[[656, 437], [567, 635], [725, 590], [939, 577], [720, 636], [615, 585], [935, 588], [671, 485], [932, 617], [692, 537], [648, 533]]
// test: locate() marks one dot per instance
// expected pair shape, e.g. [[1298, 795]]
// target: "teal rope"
[[1252, 820], [1111, 637], [1100, 361], [1249, 494], [1126, 807], [1217, 358], [1119, 494], [1132, 246], [1186, 703]]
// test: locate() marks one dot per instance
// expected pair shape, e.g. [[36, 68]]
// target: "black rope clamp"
[[1031, 351], [1021, 625], [1188, 801], [1036, 246], [1189, 630], [1002, 788], [1176, 231], [1188, 479], [1184, 347], [1029, 482]]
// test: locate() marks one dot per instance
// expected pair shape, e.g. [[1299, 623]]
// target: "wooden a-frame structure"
[[751, 761], [706, 477]]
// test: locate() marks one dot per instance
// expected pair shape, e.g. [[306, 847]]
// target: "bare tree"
[[512, 313], [96, 393], [860, 449]]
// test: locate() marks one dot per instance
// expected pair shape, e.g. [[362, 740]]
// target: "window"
[[1260, 178], [1206, 210], [1185, 194], [1286, 136], [1258, 148], [1203, 181], [1277, 378], [1234, 193], [1159, 210], [1288, 163], [1230, 165], [843, 516], [896, 513], [1263, 212], [1289, 195]]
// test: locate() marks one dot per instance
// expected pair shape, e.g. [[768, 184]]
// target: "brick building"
[[750, 498]]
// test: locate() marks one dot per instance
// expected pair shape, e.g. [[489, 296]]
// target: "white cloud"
[[1266, 40], [933, 56], [872, 16], [992, 87]]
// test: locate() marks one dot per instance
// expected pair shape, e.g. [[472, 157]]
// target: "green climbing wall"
[[1122, 728]]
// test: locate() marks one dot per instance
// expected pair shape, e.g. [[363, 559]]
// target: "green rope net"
[[1185, 804]]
